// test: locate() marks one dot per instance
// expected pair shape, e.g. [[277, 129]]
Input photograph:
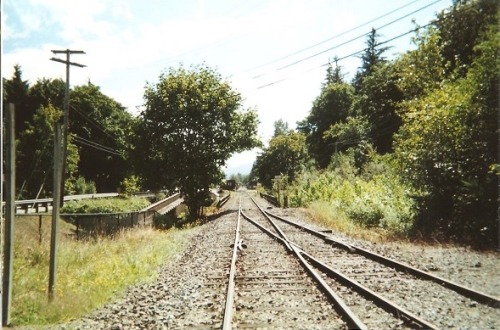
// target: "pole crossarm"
[[67, 62]]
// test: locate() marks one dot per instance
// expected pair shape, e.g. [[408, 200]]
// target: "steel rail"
[[351, 319], [228, 309], [465, 291], [382, 302]]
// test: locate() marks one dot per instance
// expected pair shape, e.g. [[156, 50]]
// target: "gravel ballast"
[[175, 301]]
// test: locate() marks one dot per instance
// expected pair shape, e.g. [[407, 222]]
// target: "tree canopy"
[[191, 125]]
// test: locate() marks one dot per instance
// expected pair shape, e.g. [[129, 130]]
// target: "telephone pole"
[[68, 63], [60, 155]]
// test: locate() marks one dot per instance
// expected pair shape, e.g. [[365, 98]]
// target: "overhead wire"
[[95, 145], [335, 36], [352, 39], [350, 55], [99, 126]]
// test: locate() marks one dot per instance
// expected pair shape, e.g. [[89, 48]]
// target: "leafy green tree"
[[448, 147], [280, 127], [460, 29], [37, 113], [421, 70], [330, 107], [101, 127], [47, 91], [191, 125], [35, 155], [286, 155], [377, 100]]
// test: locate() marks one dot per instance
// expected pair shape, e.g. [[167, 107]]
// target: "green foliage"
[[286, 155], [370, 59], [460, 30], [375, 198], [35, 153], [191, 125], [105, 205], [16, 91], [331, 107], [82, 186], [448, 143], [101, 120], [130, 185]]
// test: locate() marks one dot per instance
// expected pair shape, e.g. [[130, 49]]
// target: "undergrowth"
[[89, 273], [343, 195], [105, 205]]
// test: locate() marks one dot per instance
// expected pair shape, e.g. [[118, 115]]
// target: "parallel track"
[[347, 280]]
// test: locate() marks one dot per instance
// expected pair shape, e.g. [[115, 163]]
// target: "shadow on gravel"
[[168, 221]]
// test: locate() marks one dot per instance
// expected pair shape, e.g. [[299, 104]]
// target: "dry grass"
[[89, 273], [327, 215]]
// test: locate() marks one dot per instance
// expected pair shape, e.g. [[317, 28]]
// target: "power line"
[[94, 122], [350, 55], [335, 36], [95, 145], [352, 39]]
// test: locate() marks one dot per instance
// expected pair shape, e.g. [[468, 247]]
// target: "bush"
[[105, 205], [375, 198]]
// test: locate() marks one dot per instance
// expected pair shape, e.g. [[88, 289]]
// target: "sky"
[[274, 52]]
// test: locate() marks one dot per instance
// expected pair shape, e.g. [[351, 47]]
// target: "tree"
[[35, 155], [377, 101], [286, 155], [460, 30], [191, 125], [371, 57], [280, 127], [448, 148], [16, 92], [330, 107], [40, 106], [101, 127]]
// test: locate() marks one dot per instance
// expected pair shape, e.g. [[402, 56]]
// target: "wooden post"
[[55, 209], [40, 228], [10, 212]]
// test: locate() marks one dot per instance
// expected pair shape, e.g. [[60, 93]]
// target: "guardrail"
[[43, 205]]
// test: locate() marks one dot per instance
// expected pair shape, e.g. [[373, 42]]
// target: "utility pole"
[[60, 155], [10, 192], [68, 63]]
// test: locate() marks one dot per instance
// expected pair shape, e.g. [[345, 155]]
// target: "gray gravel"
[[178, 299]]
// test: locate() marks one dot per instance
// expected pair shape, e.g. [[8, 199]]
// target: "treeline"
[[191, 123], [99, 136], [424, 124]]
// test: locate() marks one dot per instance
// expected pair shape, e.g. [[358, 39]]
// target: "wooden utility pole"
[[55, 208], [10, 192], [68, 63], [60, 155]]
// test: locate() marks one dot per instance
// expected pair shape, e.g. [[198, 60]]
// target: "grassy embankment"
[[89, 272]]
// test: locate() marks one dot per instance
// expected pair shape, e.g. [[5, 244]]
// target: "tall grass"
[[374, 197], [89, 273]]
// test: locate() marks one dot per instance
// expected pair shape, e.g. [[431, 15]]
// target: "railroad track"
[[239, 271], [272, 286]]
